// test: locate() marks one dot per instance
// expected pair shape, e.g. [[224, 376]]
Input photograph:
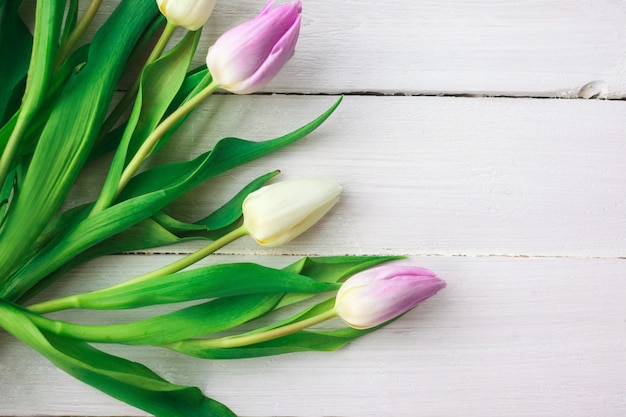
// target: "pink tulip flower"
[[244, 59], [380, 294]]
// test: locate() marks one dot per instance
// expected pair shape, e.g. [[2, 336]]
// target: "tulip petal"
[[276, 214], [273, 63], [247, 57], [191, 14], [380, 294]]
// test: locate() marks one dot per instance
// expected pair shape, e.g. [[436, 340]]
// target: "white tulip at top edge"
[[277, 213], [191, 14]]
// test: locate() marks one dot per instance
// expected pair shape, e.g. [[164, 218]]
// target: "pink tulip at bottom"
[[377, 295]]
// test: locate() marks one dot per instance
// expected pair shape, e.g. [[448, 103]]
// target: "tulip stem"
[[73, 301], [253, 338], [128, 96], [78, 31], [154, 137], [59, 304], [189, 259]]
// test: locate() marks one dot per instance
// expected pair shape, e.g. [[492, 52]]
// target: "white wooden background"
[[474, 157]]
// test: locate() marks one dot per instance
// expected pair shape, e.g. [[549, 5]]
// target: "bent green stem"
[[13, 143], [73, 301], [154, 137], [106, 199], [253, 338], [128, 96], [189, 259]]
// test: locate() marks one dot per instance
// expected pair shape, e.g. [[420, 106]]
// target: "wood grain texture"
[[518, 203], [432, 175], [545, 48], [514, 337]]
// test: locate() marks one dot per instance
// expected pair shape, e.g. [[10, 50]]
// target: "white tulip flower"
[[277, 213], [191, 14]]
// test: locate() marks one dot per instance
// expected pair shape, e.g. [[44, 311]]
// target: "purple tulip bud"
[[244, 59], [380, 294]]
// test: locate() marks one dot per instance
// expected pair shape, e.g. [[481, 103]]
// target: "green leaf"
[[134, 383], [206, 318], [336, 268], [330, 269], [214, 281], [127, 381], [6, 193], [228, 153], [84, 100], [301, 341], [48, 19], [145, 196], [77, 247], [71, 17], [194, 82], [81, 236], [15, 47], [160, 82], [230, 212], [27, 145], [146, 234]]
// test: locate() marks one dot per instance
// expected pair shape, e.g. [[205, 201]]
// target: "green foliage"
[[127, 381], [160, 82], [209, 317], [55, 100], [301, 341], [146, 194], [214, 281], [62, 148], [15, 47], [237, 294]]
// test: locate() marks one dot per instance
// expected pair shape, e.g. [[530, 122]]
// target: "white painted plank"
[[510, 47], [432, 175], [423, 176], [508, 336]]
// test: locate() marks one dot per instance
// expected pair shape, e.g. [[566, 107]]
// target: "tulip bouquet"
[[59, 111]]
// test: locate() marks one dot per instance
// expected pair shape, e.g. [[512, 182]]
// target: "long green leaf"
[[89, 232], [228, 153], [206, 318], [195, 81], [15, 47], [145, 196], [71, 129], [71, 17], [48, 20], [160, 82], [214, 281], [301, 341], [67, 252], [146, 234], [230, 212], [127, 381], [27, 145]]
